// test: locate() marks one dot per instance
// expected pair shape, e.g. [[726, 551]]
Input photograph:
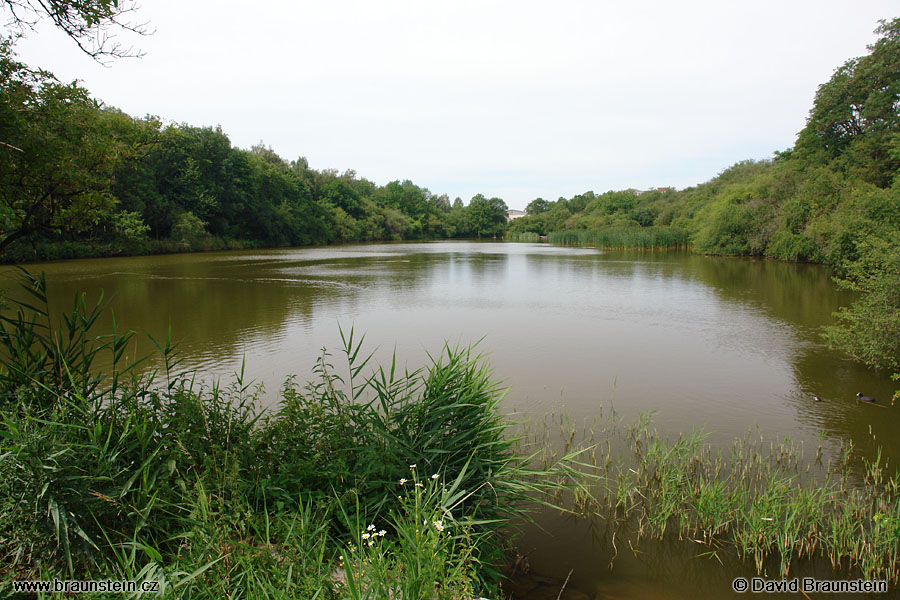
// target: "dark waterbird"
[[816, 399], [864, 398]]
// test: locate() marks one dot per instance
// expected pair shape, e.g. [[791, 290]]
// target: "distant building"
[[659, 189], [515, 214]]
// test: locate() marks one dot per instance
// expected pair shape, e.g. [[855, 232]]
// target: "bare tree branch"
[[91, 24], [11, 146]]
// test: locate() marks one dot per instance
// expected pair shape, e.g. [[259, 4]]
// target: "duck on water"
[[862, 398]]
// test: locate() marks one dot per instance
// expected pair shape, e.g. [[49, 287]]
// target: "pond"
[[722, 345]]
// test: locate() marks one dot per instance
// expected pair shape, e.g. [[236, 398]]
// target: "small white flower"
[[418, 484], [381, 533], [370, 528], [435, 476], [366, 536], [371, 542], [439, 525], [412, 466], [402, 482]]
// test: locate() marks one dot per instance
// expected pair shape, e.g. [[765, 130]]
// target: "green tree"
[[855, 119], [869, 330], [486, 216], [532, 224], [339, 193], [189, 230], [537, 206], [128, 227], [57, 150], [414, 201]]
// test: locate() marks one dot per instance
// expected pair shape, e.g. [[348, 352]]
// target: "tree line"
[[78, 178], [824, 200], [833, 198]]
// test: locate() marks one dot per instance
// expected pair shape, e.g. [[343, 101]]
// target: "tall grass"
[[153, 478], [624, 237], [761, 501], [522, 236]]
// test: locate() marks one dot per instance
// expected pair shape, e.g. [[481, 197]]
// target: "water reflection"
[[643, 569], [713, 343]]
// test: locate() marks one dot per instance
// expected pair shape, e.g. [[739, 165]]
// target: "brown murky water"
[[718, 344]]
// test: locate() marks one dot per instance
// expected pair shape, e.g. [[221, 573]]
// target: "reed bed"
[[640, 238], [760, 500], [522, 236]]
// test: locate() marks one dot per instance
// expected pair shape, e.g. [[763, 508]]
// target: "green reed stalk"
[[624, 237]]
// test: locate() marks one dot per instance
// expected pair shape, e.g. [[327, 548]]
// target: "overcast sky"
[[512, 99]]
